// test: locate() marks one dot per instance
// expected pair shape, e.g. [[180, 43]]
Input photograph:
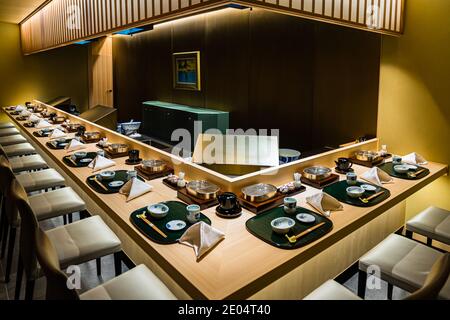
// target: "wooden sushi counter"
[[241, 266]]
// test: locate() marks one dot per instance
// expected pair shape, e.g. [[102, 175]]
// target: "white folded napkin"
[[42, 124], [100, 163], [377, 176], [202, 237], [57, 134], [324, 203], [25, 113], [414, 158], [74, 144], [34, 118], [20, 108], [135, 188]]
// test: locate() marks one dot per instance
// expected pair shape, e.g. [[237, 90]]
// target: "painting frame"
[[188, 79]]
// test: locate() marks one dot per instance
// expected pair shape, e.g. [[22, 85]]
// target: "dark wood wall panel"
[[270, 71]]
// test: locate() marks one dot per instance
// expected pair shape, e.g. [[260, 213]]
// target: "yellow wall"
[[414, 105], [42, 76]]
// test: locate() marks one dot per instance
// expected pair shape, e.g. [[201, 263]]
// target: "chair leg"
[[3, 222], [390, 290], [84, 214], [362, 280], [409, 234], [429, 242], [117, 263], [64, 219], [99, 266], [70, 217], [9, 258], [4, 239], [29, 290], [18, 279]]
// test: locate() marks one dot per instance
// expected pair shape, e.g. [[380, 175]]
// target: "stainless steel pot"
[[153, 165], [202, 189], [259, 192], [367, 155], [316, 173], [118, 148]]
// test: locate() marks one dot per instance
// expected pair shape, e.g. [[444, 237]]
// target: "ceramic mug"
[[352, 178], [290, 205], [101, 153], [193, 213], [131, 174], [343, 163], [397, 159]]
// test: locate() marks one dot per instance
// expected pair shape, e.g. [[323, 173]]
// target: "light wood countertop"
[[241, 264]]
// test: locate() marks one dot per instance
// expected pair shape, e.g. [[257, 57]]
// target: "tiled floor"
[[89, 278]]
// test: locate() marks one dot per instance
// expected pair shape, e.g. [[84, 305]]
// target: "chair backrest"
[[57, 288], [28, 228], [2, 152], [435, 280], [6, 178]]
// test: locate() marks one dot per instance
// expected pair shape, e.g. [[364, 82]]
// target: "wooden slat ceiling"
[[50, 26], [14, 11]]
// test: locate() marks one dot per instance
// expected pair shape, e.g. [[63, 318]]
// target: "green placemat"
[[78, 163], [121, 175], [338, 190], [389, 169], [57, 146], [260, 227], [177, 211]]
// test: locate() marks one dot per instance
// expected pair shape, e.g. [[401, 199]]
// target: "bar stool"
[[6, 125], [138, 283], [435, 280], [14, 139], [9, 131], [433, 223], [27, 163], [20, 149], [75, 243], [403, 262], [9, 219]]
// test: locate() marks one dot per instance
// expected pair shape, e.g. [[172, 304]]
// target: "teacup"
[[101, 153], [343, 163], [227, 200], [290, 205], [396, 159], [193, 213], [352, 178], [133, 155], [131, 174]]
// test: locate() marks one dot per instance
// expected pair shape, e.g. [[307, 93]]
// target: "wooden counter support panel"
[[267, 269]]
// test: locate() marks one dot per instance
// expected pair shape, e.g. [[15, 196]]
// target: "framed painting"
[[186, 70]]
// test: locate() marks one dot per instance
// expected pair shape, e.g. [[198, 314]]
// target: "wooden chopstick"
[[375, 195], [308, 230], [152, 225], [99, 183]]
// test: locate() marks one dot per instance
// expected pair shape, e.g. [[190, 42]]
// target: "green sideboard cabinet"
[[160, 119]]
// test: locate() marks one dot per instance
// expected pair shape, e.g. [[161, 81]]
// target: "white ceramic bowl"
[[107, 175], [401, 168], [158, 210], [282, 225], [80, 154], [355, 192], [369, 187]]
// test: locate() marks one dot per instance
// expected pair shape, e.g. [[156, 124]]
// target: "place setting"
[[357, 193], [43, 133], [408, 167], [126, 182], [79, 159], [167, 221], [59, 144], [289, 226]]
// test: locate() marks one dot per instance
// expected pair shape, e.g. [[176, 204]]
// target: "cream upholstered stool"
[[433, 223], [9, 222], [14, 139], [402, 262], [27, 163], [138, 283], [436, 279], [6, 125], [331, 290], [20, 149], [75, 243], [9, 132]]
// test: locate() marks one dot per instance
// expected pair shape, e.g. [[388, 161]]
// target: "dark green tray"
[[338, 190], [177, 211], [389, 169], [120, 175], [56, 145], [260, 227], [77, 161]]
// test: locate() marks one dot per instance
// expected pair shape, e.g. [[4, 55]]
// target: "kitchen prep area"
[[225, 150]]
